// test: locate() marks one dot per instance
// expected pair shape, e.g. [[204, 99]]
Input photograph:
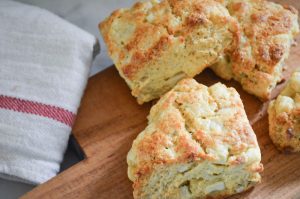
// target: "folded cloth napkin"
[[44, 67]]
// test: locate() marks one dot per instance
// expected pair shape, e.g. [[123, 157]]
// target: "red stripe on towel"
[[36, 108]]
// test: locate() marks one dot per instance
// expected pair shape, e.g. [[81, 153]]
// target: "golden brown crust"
[[152, 38], [194, 123], [284, 117], [139, 58], [153, 42], [268, 30]]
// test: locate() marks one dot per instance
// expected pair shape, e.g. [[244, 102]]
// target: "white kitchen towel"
[[44, 67]]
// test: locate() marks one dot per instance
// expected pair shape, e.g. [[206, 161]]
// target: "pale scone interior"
[[267, 32], [198, 144], [155, 44], [284, 117]]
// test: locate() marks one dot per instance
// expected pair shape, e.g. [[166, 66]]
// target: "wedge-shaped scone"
[[155, 44], [284, 117], [267, 33], [198, 144]]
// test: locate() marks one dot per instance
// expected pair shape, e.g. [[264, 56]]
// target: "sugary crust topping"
[[193, 123]]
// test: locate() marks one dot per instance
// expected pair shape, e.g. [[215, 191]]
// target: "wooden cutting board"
[[109, 119]]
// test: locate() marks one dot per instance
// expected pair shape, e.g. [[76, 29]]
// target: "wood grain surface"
[[109, 119]]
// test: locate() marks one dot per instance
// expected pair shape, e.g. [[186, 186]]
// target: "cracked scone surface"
[[267, 31], [198, 144], [155, 44], [284, 117]]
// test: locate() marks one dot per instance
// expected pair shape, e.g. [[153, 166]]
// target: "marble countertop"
[[85, 14]]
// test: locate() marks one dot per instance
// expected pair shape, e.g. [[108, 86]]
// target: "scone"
[[155, 44], [267, 33], [284, 117], [198, 144]]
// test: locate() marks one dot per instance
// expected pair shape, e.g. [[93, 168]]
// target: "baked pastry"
[[267, 33], [154, 44], [198, 144], [284, 117]]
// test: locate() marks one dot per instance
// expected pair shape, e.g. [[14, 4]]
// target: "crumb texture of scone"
[[198, 144], [267, 33], [284, 117], [155, 44]]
